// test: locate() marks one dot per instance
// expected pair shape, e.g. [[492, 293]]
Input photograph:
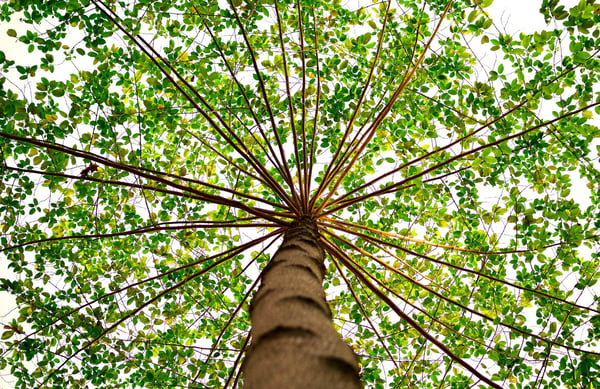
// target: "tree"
[[431, 174]]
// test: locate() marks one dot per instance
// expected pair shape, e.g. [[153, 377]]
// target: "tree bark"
[[294, 343]]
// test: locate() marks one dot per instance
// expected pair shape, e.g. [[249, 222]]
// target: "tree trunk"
[[294, 343]]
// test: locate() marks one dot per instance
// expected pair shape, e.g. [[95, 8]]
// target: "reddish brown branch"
[[263, 90], [368, 135], [230, 253], [366, 315], [394, 187], [271, 154], [333, 168], [463, 269], [157, 59], [292, 114], [153, 188], [339, 255], [266, 214], [185, 226]]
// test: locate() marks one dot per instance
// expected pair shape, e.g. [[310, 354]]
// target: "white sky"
[[512, 16]]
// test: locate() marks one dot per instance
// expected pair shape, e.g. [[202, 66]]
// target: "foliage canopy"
[[155, 151]]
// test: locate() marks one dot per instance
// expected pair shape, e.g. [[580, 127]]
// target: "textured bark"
[[294, 343]]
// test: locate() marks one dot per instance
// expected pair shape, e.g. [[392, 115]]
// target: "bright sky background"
[[512, 16]]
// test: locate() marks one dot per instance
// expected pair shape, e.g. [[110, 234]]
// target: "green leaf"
[[472, 15], [7, 335], [484, 3], [581, 56]]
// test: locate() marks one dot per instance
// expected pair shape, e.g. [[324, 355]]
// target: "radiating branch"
[[271, 155], [167, 69], [86, 177], [366, 315], [189, 225], [333, 168], [291, 113], [151, 301], [236, 363], [366, 138], [317, 108], [261, 83], [228, 254], [512, 327], [305, 192], [394, 187], [383, 263], [241, 303], [466, 270], [354, 227], [266, 214], [340, 256]]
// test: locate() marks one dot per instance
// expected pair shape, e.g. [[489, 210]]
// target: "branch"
[[304, 191], [336, 253], [394, 187], [419, 241], [154, 56], [277, 163], [329, 173], [266, 214], [261, 83], [148, 187], [145, 304], [365, 140], [366, 315], [186, 225], [230, 253], [237, 361], [290, 109], [475, 272]]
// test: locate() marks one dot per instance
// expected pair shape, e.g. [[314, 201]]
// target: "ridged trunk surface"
[[294, 343]]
